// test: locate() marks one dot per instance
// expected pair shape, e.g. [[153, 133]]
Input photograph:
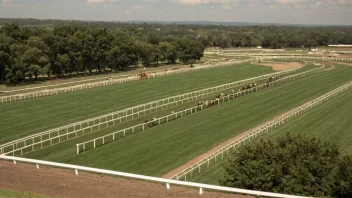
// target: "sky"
[[331, 12]]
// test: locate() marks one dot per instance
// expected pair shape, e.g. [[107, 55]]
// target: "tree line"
[[27, 52], [292, 164], [30, 47], [213, 35]]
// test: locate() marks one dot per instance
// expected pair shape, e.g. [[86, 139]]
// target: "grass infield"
[[164, 148], [23, 118]]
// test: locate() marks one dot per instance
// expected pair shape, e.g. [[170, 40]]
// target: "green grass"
[[27, 117], [330, 122], [75, 80], [16, 194], [67, 148], [164, 148]]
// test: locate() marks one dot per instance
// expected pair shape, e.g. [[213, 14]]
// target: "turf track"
[[66, 147], [330, 122], [164, 148], [27, 117]]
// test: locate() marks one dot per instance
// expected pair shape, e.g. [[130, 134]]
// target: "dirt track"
[[330, 67], [282, 66], [55, 182]]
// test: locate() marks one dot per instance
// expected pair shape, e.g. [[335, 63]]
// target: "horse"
[[143, 76]]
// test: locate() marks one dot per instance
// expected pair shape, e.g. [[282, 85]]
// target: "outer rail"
[[212, 158], [167, 182]]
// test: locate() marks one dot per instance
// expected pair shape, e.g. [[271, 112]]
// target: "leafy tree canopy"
[[292, 164]]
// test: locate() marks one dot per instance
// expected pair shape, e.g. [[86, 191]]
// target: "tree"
[[85, 44], [189, 50], [33, 70], [145, 52], [343, 177], [5, 43], [168, 51], [124, 52], [293, 164]]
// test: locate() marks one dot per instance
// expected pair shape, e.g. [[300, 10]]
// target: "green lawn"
[[27, 117], [16, 194], [157, 151], [330, 122], [67, 149]]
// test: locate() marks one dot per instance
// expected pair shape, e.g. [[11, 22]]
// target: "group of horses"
[[272, 79], [174, 68], [250, 86], [143, 76], [151, 122], [216, 100]]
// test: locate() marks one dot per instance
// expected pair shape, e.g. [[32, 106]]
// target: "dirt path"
[[55, 182], [331, 67], [197, 159], [277, 66], [328, 66]]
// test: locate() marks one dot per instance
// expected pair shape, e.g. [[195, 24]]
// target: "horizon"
[[290, 12], [225, 23]]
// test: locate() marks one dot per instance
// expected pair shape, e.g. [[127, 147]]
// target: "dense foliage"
[[45, 47], [293, 164], [30, 52]]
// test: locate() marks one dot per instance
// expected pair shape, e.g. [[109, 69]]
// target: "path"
[[331, 67], [55, 182], [280, 66]]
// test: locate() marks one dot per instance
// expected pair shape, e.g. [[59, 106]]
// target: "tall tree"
[[124, 52], [293, 164]]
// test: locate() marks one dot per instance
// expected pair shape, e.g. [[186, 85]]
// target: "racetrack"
[[329, 122], [164, 148], [27, 117]]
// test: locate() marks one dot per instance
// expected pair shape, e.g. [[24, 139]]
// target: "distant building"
[[340, 45], [259, 47]]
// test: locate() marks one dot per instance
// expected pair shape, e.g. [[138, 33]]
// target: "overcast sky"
[[262, 11]]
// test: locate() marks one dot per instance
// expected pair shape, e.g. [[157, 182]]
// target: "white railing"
[[166, 182], [97, 142], [57, 135], [212, 158], [297, 56], [127, 78], [55, 91], [312, 58]]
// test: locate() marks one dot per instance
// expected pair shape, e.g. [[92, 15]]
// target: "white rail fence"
[[219, 154], [299, 57], [127, 78], [307, 58], [167, 182], [57, 135], [97, 142]]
